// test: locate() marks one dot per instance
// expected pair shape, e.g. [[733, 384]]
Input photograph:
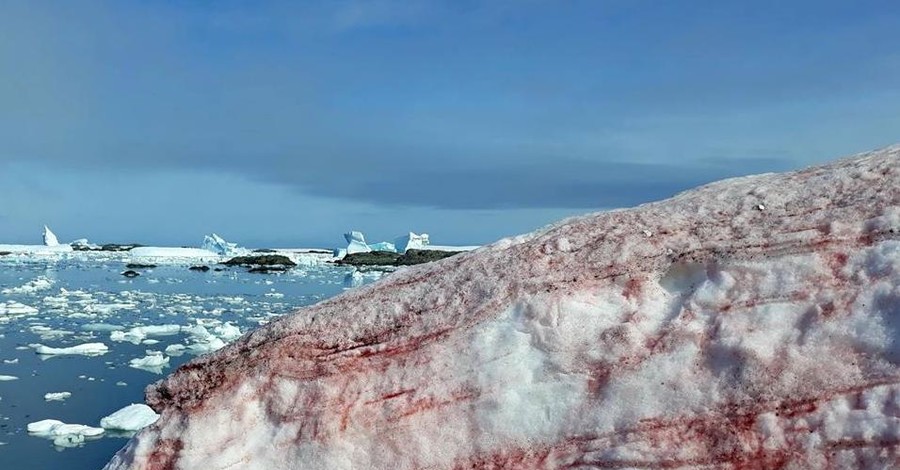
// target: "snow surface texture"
[[750, 323], [411, 241], [356, 243]]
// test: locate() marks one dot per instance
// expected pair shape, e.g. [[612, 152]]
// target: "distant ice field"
[[79, 341]]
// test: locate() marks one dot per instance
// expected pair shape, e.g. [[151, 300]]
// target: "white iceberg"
[[140, 333], [411, 241], [50, 237], [57, 396], [154, 362], [15, 308], [218, 245], [62, 434], [356, 242], [133, 417], [86, 349]]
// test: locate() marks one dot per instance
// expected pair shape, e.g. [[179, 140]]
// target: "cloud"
[[458, 105]]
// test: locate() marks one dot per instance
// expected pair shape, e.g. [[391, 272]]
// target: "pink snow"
[[748, 324]]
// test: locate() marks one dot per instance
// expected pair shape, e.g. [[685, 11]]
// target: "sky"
[[287, 123]]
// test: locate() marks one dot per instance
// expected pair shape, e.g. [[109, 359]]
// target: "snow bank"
[[133, 417], [750, 323]]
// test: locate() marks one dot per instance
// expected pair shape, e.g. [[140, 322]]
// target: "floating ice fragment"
[[87, 349], [15, 308], [154, 362], [133, 417], [57, 396], [7, 378]]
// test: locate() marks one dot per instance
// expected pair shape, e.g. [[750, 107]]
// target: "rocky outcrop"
[[750, 323], [260, 260]]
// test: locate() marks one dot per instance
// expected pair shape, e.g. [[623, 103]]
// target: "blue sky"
[[287, 123]]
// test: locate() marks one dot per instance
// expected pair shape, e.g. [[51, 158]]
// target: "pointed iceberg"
[[218, 245], [49, 237]]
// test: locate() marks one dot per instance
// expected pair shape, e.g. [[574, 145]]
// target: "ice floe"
[[153, 362], [62, 434], [133, 417], [30, 287], [57, 396], [12, 307], [86, 349]]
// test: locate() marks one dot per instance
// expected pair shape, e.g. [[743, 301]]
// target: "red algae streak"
[[747, 324]]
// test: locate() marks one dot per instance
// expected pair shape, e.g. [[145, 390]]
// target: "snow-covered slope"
[[751, 323]]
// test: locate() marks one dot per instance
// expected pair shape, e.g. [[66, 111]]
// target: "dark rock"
[[264, 250], [268, 269], [387, 258], [119, 247], [131, 273], [374, 258], [218, 269], [423, 256], [4, 253], [199, 268], [260, 260], [139, 266]]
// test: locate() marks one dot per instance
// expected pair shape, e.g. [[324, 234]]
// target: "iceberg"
[[86, 349], [383, 246], [411, 241], [219, 246], [356, 243], [749, 323], [133, 417], [62, 434], [49, 237]]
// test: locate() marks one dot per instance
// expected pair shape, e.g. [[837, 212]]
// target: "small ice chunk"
[[133, 417], [15, 308], [57, 396], [7, 378], [86, 349], [154, 362]]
